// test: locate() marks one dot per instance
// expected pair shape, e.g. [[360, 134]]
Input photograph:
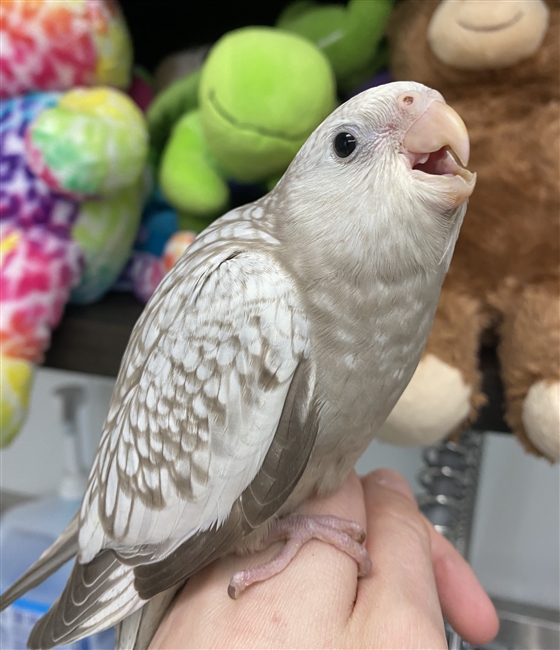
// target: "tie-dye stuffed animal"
[[73, 151]]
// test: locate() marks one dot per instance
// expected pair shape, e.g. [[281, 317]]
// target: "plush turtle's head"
[[262, 92]]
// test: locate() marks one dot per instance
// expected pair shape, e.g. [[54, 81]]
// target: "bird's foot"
[[297, 530]]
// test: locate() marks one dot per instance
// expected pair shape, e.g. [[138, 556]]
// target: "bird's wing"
[[279, 473], [197, 403]]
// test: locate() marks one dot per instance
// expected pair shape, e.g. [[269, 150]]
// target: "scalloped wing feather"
[[196, 404]]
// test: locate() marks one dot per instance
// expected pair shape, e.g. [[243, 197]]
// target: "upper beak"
[[437, 147], [439, 126]]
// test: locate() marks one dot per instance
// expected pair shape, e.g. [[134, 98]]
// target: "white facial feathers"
[[369, 207]]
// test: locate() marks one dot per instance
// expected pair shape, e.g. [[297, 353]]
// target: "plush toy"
[[179, 65], [350, 36], [157, 247], [61, 45], [242, 117], [71, 167], [499, 68]]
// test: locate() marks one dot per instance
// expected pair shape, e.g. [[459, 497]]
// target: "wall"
[[515, 548]]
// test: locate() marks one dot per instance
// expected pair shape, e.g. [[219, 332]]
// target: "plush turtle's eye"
[[344, 144]]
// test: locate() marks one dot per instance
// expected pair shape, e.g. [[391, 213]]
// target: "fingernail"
[[392, 480]]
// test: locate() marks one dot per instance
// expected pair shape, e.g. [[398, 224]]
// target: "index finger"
[[402, 577]]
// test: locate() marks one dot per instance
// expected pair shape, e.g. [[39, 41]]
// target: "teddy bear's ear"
[[505, 33]]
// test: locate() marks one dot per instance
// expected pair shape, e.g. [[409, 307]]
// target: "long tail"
[[133, 632], [65, 548]]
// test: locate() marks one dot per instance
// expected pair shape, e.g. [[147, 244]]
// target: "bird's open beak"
[[437, 144]]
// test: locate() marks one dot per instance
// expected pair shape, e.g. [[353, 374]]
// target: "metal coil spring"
[[450, 478]]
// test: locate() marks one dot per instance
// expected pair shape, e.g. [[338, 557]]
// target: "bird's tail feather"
[[97, 596], [137, 630], [65, 548]]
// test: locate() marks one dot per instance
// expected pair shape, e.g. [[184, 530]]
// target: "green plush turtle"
[[242, 116], [351, 35]]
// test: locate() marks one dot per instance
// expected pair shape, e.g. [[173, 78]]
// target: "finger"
[[464, 602], [323, 574], [402, 577]]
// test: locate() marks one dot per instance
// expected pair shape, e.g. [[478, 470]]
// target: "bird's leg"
[[297, 530]]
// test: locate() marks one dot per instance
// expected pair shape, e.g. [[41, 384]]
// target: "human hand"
[[417, 579]]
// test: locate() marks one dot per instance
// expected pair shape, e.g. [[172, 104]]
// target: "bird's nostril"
[[409, 101]]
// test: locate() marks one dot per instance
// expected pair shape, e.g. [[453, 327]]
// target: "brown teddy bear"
[[497, 63]]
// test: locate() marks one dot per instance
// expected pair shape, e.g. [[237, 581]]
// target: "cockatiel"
[[264, 364]]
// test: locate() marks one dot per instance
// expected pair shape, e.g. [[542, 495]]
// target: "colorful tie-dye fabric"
[[50, 45], [106, 231], [91, 143], [53, 242], [24, 197], [38, 269], [39, 260], [71, 168]]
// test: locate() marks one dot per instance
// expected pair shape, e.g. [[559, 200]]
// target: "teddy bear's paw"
[[541, 417], [436, 400]]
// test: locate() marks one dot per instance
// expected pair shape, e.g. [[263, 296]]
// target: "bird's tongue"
[[443, 162]]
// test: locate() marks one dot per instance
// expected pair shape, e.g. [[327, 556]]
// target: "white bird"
[[264, 364]]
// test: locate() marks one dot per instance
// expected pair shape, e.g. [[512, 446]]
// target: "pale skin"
[[417, 579]]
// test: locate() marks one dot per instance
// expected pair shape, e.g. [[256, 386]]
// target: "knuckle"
[[409, 520]]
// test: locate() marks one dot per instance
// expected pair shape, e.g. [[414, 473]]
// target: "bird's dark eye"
[[344, 144]]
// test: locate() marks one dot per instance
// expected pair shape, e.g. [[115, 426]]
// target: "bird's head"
[[384, 175]]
